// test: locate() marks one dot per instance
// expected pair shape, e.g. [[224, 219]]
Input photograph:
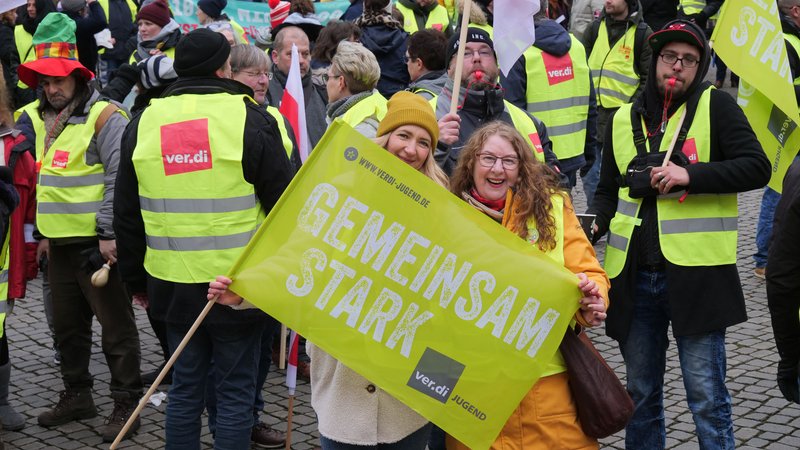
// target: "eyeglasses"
[[408, 58], [488, 160], [326, 77], [482, 53], [687, 61], [256, 75]]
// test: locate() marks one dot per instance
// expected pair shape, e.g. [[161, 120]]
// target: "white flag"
[[513, 30]]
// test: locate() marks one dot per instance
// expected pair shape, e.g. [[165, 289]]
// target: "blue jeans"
[[703, 365], [414, 441], [591, 180], [764, 228], [235, 351]]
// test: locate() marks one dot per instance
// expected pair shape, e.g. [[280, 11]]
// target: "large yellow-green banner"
[[409, 286], [748, 37]]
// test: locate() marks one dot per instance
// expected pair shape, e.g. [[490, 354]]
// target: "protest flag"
[[293, 106], [749, 39], [513, 30], [291, 384]]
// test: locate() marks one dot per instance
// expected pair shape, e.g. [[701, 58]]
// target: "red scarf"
[[496, 205]]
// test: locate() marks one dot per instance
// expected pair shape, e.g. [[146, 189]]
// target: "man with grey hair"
[[350, 82], [315, 97]]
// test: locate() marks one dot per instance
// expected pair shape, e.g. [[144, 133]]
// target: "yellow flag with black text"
[[748, 37], [409, 286]]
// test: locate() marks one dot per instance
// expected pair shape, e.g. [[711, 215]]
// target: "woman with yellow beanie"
[[351, 411]]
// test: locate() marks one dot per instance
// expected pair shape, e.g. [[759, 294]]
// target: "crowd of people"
[[158, 157]]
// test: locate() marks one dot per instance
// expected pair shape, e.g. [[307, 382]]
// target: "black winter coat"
[[389, 47]]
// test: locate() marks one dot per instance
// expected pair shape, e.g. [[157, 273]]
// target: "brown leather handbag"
[[603, 404]]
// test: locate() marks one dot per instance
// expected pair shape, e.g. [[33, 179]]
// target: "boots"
[[11, 420], [124, 405], [73, 404]]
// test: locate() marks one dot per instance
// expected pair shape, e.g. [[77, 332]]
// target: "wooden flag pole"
[[282, 357], [462, 42], [164, 372], [289, 418]]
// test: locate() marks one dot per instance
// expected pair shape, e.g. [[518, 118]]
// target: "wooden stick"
[[462, 42], [674, 139], [164, 372], [282, 357], [289, 418]]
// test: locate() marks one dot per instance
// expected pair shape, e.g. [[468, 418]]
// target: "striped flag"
[[513, 30], [291, 368], [293, 106]]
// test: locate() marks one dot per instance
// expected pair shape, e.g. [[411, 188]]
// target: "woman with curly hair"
[[498, 174]]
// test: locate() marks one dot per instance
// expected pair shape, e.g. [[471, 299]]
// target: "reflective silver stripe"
[[699, 225], [627, 208], [66, 182], [615, 94], [4, 276], [596, 73], [188, 244], [618, 242], [69, 208], [197, 205], [561, 130], [620, 77], [552, 105], [3, 306]]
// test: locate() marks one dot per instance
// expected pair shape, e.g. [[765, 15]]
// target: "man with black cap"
[[200, 169], [481, 100], [671, 252], [77, 138]]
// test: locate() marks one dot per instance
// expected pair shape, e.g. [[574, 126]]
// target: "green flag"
[[409, 286], [749, 39]]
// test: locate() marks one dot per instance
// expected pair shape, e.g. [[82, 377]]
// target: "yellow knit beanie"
[[405, 108]]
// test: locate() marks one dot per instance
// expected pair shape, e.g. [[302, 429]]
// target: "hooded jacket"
[[553, 39], [701, 299], [429, 83], [389, 47], [122, 28], [658, 12]]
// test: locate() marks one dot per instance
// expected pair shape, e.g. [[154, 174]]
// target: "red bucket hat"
[[56, 53]]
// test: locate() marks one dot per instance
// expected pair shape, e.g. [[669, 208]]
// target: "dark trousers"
[[75, 301]]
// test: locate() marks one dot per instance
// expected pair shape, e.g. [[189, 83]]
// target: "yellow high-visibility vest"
[[613, 72]]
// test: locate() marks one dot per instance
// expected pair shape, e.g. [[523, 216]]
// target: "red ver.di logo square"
[[185, 147], [60, 159], [558, 68]]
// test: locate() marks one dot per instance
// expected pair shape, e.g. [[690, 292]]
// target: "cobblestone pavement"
[[762, 418]]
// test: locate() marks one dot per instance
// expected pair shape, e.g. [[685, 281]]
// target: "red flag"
[[293, 106], [291, 368]]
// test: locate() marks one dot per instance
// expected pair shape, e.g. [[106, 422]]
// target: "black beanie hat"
[[200, 53], [212, 8], [473, 35]]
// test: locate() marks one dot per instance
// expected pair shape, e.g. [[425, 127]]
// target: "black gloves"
[[787, 379]]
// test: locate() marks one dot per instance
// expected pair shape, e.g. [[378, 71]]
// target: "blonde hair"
[[429, 167], [536, 182], [357, 65]]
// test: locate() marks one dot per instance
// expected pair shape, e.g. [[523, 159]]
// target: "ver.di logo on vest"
[[558, 68], [60, 159], [185, 147]]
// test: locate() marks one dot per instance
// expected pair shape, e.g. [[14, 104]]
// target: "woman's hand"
[[593, 308], [219, 289]]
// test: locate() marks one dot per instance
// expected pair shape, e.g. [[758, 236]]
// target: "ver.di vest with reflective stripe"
[[615, 79], [197, 219], [519, 118], [24, 41], [692, 7], [564, 105], [437, 16], [69, 191], [374, 105], [285, 139], [700, 231]]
